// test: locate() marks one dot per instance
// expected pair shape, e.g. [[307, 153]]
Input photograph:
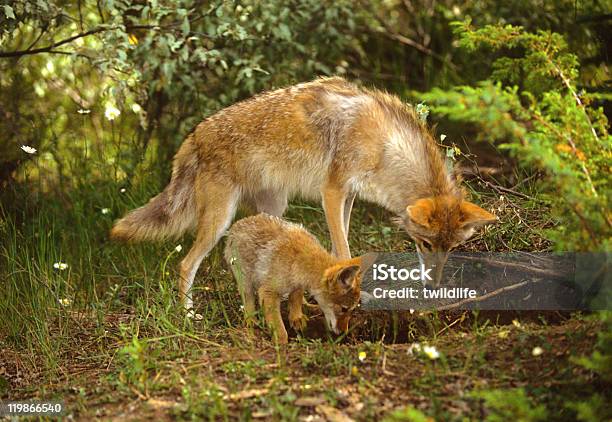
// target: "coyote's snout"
[[328, 140]]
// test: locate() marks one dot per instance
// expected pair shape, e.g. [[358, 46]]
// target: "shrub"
[[531, 106]]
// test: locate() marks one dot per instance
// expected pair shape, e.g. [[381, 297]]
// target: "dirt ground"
[[237, 374]]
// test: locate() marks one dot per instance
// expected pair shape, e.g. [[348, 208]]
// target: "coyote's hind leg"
[[248, 297], [215, 216]]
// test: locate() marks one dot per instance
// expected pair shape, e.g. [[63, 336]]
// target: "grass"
[[106, 334]]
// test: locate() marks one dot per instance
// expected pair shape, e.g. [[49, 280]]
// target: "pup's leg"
[[270, 302], [334, 199], [215, 215], [248, 297], [271, 202], [297, 319], [348, 207]]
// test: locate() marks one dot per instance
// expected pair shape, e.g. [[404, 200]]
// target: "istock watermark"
[[382, 272], [491, 281]]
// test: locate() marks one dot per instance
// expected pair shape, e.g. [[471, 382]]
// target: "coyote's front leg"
[[297, 319], [334, 200], [271, 302]]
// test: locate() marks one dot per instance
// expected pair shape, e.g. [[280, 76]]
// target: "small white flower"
[[83, 111], [136, 108], [111, 112], [28, 149], [537, 351], [65, 301], [431, 352], [60, 266], [362, 356], [414, 348], [122, 190], [178, 248], [442, 137], [411, 311], [242, 307], [105, 211]]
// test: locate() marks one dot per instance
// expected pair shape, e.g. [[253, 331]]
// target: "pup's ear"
[[420, 212], [347, 277], [473, 216]]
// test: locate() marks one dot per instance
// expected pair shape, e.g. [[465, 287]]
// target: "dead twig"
[[486, 296]]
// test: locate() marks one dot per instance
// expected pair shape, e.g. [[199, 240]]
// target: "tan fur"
[[275, 259], [327, 139], [438, 224]]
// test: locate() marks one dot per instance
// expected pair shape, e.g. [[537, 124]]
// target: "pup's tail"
[[170, 213]]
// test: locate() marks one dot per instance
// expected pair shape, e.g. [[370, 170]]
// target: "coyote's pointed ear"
[[473, 216], [420, 212], [347, 277]]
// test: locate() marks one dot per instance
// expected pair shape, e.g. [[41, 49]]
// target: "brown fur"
[[273, 259], [327, 139]]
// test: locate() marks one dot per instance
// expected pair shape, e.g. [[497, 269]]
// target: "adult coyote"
[[328, 140]]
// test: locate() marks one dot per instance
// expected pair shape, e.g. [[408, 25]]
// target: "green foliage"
[[134, 361], [532, 106], [161, 65], [505, 405], [594, 409], [409, 414], [600, 360]]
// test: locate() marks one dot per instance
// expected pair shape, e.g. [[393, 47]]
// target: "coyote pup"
[[275, 259], [328, 140]]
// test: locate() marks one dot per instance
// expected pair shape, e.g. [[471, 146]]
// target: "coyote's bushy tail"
[[170, 213]]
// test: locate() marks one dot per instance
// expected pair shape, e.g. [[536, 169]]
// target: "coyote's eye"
[[425, 244]]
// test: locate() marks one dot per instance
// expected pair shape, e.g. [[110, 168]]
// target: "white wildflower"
[[442, 137], [65, 301], [178, 248], [136, 108], [60, 266], [83, 111], [122, 190], [537, 351], [111, 112], [105, 211], [28, 149], [431, 352]]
